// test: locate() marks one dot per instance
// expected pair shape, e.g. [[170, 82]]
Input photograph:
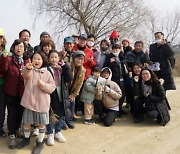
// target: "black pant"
[[2, 108], [109, 115], [15, 111], [122, 87], [138, 108]]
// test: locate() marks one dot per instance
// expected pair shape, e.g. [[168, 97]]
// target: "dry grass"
[[176, 70]]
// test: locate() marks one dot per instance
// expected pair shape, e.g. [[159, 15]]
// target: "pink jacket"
[[37, 97]]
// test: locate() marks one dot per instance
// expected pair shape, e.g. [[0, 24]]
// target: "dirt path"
[[124, 137]]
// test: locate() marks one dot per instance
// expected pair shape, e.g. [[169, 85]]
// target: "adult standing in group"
[[25, 36], [44, 36], [89, 61], [68, 51], [160, 54]]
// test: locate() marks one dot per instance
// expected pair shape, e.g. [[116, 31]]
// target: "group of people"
[[43, 88]]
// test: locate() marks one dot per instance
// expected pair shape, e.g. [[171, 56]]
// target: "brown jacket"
[[78, 80]]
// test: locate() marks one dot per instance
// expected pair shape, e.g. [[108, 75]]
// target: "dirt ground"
[[124, 137]]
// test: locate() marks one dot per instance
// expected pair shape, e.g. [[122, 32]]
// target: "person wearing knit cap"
[[44, 36], [126, 46], [78, 72], [114, 37]]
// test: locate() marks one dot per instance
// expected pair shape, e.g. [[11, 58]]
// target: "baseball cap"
[[68, 39], [83, 36]]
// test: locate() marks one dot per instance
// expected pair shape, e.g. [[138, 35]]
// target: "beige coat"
[[37, 97], [110, 99]]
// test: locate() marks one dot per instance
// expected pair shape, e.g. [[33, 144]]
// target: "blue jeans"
[[58, 126]]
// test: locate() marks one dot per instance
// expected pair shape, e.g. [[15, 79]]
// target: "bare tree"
[[168, 24], [98, 17]]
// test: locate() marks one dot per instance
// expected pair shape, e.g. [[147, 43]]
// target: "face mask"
[[90, 43], [158, 41], [104, 48]]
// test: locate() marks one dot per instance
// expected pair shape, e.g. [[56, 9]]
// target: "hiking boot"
[[24, 142], [38, 148], [59, 136], [50, 139], [2, 133], [12, 142]]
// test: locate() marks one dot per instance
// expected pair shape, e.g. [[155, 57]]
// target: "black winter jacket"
[[66, 77], [161, 54]]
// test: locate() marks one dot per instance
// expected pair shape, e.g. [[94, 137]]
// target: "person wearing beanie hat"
[[126, 46], [78, 54], [44, 36], [89, 61], [113, 37], [78, 72]]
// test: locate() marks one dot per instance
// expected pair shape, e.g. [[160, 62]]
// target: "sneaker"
[[23, 143], [35, 132], [59, 136], [88, 122], [12, 141], [2, 133], [38, 148], [50, 139]]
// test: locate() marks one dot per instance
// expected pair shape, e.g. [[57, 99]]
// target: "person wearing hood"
[[137, 55], [109, 95], [115, 61]]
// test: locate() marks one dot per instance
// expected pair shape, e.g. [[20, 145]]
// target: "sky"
[[16, 15]]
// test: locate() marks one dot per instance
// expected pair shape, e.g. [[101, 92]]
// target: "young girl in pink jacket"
[[39, 84]]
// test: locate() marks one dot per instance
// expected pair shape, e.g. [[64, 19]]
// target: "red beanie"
[[114, 34]]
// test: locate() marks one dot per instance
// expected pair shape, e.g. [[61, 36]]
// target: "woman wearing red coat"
[[11, 68]]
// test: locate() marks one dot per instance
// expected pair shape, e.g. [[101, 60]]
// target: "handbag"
[[53, 117]]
